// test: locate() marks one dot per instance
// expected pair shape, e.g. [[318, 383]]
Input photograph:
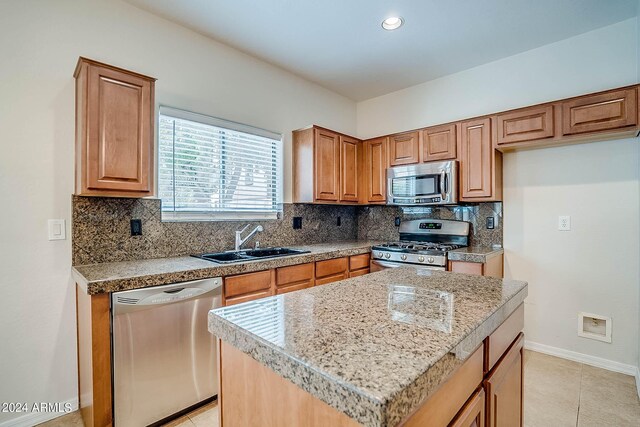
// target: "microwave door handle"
[[443, 185]]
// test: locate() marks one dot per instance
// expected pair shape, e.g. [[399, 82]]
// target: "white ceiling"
[[340, 44]]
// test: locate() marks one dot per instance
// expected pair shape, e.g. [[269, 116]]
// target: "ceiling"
[[340, 44]]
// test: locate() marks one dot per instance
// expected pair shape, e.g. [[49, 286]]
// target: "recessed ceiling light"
[[392, 23]]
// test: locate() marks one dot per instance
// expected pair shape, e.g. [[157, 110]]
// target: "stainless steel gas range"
[[423, 242]]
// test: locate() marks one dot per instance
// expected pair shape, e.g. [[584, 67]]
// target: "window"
[[213, 169]]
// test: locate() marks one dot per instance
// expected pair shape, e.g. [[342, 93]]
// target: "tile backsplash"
[[101, 230], [378, 222]]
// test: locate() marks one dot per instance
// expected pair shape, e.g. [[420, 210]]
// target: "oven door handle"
[[443, 185]]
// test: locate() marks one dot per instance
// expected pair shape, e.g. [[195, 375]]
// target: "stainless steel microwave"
[[434, 183]]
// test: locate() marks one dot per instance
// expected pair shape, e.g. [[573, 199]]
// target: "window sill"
[[219, 217]]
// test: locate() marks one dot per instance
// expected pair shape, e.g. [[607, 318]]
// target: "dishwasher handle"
[[137, 299]]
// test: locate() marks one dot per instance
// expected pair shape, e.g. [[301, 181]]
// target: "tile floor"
[[558, 393]]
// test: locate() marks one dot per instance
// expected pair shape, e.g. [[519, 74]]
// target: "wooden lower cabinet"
[[492, 268], [248, 286], [295, 277], [469, 397], [505, 388], [260, 284], [332, 270], [473, 413], [94, 357]]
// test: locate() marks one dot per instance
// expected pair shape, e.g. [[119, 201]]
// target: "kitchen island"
[[402, 346]]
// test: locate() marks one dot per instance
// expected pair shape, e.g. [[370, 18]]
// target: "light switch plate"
[[57, 229], [564, 223]]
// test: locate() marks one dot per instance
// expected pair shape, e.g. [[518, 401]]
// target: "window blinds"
[[210, 168]]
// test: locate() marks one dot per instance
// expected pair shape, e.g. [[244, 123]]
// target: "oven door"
[[379, 265], [425, 184]]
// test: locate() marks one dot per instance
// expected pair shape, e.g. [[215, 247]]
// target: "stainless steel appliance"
[[164, 358], [423, 242], [433, 183]]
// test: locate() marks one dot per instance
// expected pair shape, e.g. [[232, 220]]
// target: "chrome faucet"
[[240, 241]]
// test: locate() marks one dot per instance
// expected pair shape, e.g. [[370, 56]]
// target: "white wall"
[[40, 42], [590, 62], [595, 183]]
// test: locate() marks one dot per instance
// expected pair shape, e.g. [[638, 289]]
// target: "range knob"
[[403, 257], [430, 260], [380, 254], [387, 255], [420, 259]]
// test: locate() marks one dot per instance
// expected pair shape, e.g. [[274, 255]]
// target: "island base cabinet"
[[473, 413], [253, 395], [505, 388]]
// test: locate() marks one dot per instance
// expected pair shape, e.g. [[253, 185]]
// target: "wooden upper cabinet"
[[350, 165], [404, 148], [600, 112], [525, 125], [327, 165], [439, 143], [477, 164], [375, 170], [114, 131]]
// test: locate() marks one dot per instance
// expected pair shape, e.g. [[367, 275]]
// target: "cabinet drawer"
[[246, 297], [294, 274], [500, 340], [525, 125], [611, 110], [247, 283], [294, 287], [442, 407], [331, 267], [466, 267], [361, 272], [333, 278], [356, 262]]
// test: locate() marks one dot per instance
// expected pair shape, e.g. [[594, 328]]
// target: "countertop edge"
[[107, 285]]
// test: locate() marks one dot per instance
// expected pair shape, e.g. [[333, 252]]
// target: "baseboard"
[[33, 418], [598, 362]]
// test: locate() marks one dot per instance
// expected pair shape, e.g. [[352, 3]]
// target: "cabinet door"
[[327, 165], [476, 166], [504, 387], [439, 143], [472, 414], [525, 125], [591, 113], [119, 131], [349, 164], [375, 169], [404, 149], [247, 283]]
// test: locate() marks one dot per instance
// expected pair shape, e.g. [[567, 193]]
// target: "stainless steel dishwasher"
[[164, 358]]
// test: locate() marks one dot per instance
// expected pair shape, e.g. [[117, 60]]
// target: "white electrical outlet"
[[564, 223]]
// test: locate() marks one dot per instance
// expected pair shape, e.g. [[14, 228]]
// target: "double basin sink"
[[249, 255]]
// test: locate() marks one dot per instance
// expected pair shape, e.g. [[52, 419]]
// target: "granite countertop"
[[474, 253], [374, 346], [126, 275]]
